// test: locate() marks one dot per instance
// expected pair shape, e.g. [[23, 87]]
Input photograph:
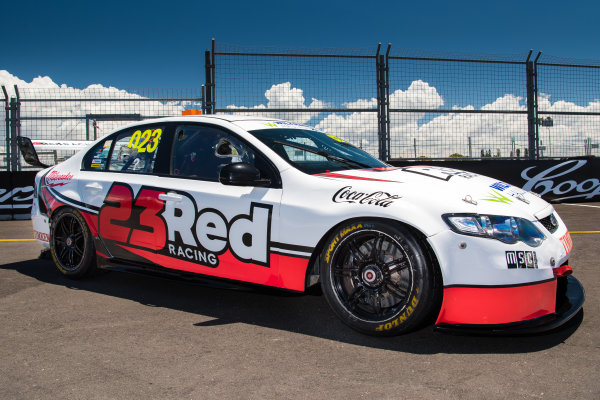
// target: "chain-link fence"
[[568, 107], [448, 106], [412, 105], [71, 114], [333, 90], [395, 104]]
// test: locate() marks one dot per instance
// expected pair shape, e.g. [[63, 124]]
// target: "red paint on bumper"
[[497, 305], [563, 271]]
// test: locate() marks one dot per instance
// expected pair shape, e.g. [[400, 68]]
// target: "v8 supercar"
[[280, 204]]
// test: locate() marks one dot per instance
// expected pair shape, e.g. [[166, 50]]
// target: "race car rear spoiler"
[[28, 148]]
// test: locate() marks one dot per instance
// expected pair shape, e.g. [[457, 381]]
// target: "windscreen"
[[315, 152]]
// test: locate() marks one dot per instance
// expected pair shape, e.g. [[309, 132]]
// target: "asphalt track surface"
[[122, 335]]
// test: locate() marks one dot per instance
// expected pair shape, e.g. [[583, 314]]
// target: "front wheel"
[[377, 278], [71, 244]]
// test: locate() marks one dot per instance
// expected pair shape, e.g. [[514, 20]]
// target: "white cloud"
[[362, 103], [569, 133], [435, 135], [440, 135], [358, 126], [418, 95], [450, 133], [53, 100], [9, 81], [72, 105], [283, 95]]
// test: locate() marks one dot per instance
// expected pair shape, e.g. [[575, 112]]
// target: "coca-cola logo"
[[56, 178], [347, 195], [545, 182]]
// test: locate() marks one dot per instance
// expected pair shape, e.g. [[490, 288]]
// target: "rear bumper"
[[568, 294]]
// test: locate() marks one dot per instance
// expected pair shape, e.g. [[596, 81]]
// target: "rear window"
[[97, 158]]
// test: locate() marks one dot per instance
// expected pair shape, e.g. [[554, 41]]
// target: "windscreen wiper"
[[347, 161]]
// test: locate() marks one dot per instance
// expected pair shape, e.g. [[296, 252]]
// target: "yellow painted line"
[[17, 240], [584, 231]]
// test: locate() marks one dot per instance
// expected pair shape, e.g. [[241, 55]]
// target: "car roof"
[[205, 118]]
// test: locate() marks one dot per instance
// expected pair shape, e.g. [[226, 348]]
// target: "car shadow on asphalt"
[[302, 314]]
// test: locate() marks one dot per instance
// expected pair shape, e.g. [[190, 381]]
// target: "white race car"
[[280, 204]]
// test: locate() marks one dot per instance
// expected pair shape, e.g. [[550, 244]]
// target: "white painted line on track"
[[579, 205]]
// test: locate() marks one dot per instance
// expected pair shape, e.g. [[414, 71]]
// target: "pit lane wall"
[[16, 194], [563, 180]]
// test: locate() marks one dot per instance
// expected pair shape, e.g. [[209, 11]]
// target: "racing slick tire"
[[377, 277], [71, 244]]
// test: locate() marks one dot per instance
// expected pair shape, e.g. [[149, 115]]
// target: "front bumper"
[[570, 297]]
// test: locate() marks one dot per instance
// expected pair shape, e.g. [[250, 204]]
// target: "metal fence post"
[[382, 106], [209, 68], [213, 78], [532, 109], [388, 132], [209, 85], [7, 127], [15, 164]]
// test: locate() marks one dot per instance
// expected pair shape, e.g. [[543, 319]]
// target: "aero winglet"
[[29, 153], [28, 148]]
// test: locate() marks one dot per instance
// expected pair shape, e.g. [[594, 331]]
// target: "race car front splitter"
[[570, 297]]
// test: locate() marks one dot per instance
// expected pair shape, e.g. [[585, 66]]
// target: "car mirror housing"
[[242, 174]]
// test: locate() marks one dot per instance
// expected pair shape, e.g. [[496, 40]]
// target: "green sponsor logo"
[[498, 197]]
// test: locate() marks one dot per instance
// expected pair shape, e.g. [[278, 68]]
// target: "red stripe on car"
[[360, 178], [92, 222], [291, 275]]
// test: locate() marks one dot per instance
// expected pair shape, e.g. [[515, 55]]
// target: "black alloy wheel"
[[377, 278], [71, 244]]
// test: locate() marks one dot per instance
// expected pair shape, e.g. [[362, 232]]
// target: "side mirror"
[[242, 174]]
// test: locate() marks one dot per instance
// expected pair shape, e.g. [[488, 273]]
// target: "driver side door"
[[111, 188]]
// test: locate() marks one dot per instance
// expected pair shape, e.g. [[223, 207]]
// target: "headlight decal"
[[506, 229]]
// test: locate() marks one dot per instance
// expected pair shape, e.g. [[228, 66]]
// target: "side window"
[[201, 152], [97, 158], [134, 150]]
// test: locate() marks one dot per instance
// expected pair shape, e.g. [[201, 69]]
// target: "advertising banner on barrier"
[[565, 180], [16, 194]]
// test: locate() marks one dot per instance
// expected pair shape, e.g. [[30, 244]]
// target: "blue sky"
[[160, 44]]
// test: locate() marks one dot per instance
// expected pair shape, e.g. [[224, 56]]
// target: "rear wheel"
[[71, 244], [377, 278]]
